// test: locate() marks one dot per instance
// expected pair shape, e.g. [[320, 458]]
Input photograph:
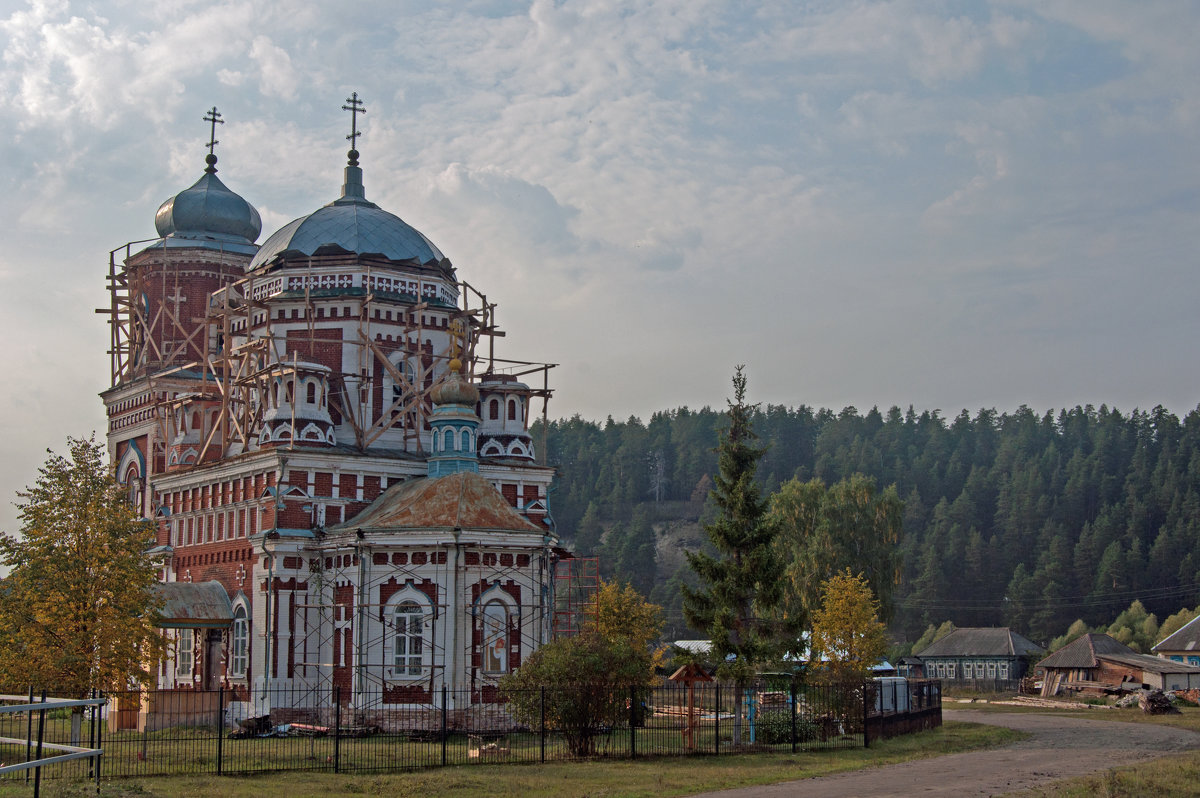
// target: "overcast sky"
[[949, 205]]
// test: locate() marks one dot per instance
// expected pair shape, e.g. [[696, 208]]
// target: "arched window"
[[408, 642], [495, 637], [312, 392], [239, 644], [512, 409], [466, 441], [448, 440], [494, 409]]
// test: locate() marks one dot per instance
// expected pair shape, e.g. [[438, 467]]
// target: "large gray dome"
[[350, 224], [208, 211]]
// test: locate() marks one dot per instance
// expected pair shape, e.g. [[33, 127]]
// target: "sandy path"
[[1059, 748]]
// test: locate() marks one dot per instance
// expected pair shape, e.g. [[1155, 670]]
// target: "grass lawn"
[[1178, 774], [658, 777]]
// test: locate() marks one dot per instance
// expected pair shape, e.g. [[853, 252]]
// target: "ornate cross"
[[214, 117], [355, 108]]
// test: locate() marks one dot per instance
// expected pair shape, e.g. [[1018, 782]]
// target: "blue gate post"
[[751, 699]]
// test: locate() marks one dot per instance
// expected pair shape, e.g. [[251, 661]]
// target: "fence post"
[[29, 734], [866, 728], [717, 723], [92, 734], [220, 727], [443, 725], [37, 772], [99, 742], [793, 697], [543, 712], [632, 724], [337, 729]]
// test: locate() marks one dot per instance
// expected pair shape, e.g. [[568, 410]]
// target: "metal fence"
[[156, 733]]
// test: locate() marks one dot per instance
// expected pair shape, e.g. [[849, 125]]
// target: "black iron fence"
[[154, 733]]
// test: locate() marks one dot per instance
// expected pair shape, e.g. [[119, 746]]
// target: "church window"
[[312, 392], [495, 637], [494, 409], [184, 652], [409, 639], [239, 644], [466, 441], [512, 409], [448, 440]]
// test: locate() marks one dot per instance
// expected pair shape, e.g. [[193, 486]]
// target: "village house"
[[1183, 645], [1099, 664], [971, 655]]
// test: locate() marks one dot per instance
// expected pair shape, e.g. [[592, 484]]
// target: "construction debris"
[[1156, 703]]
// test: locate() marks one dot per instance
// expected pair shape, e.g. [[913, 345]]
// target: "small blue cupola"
[[454, 425]]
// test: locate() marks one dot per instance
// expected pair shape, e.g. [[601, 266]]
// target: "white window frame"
[[239, 643], [413, 666], [185, 653]]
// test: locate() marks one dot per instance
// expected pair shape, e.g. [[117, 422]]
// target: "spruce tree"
[[739, 588]]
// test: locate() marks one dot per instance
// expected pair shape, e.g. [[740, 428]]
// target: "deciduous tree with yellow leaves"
[[77, 608], [847, 635]]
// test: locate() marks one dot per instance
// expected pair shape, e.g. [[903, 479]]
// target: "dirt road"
[[1059, 748]]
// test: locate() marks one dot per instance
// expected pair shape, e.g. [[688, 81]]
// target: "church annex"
[[321, 426]]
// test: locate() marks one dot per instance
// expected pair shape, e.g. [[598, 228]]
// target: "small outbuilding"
[[1100, 664]]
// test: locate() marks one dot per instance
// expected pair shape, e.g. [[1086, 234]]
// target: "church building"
[[321, 427]]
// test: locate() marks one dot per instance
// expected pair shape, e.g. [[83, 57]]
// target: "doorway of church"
[[212, 659]]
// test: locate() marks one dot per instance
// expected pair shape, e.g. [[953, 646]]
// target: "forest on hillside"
[[1019, 519]]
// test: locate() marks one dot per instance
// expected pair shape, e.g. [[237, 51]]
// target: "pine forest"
[[1016, 519]]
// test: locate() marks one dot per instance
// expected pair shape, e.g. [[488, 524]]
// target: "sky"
[[949, 205]]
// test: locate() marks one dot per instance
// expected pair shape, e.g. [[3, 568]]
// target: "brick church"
[[347, 493]]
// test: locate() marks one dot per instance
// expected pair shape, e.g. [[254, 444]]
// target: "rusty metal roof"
[[981, 642], [1087, 651], [458, 501], [191, 605]]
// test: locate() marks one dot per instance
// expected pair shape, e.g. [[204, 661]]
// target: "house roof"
[[464, 500], [192, 605], [1088, 650], [981, 642], [1186, 639]]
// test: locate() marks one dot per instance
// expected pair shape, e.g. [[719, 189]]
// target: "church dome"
[[455, 390], [208, 210], [350, 224]]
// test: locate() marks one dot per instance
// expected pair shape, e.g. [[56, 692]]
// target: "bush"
[[774, 727]]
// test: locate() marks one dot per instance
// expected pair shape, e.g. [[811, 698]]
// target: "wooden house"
[[1183, 646], [1098, 664], [971, 655]]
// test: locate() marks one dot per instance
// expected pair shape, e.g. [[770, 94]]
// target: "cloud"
[[278, 78]]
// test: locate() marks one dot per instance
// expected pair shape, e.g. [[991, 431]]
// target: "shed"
[[1098, 663]]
